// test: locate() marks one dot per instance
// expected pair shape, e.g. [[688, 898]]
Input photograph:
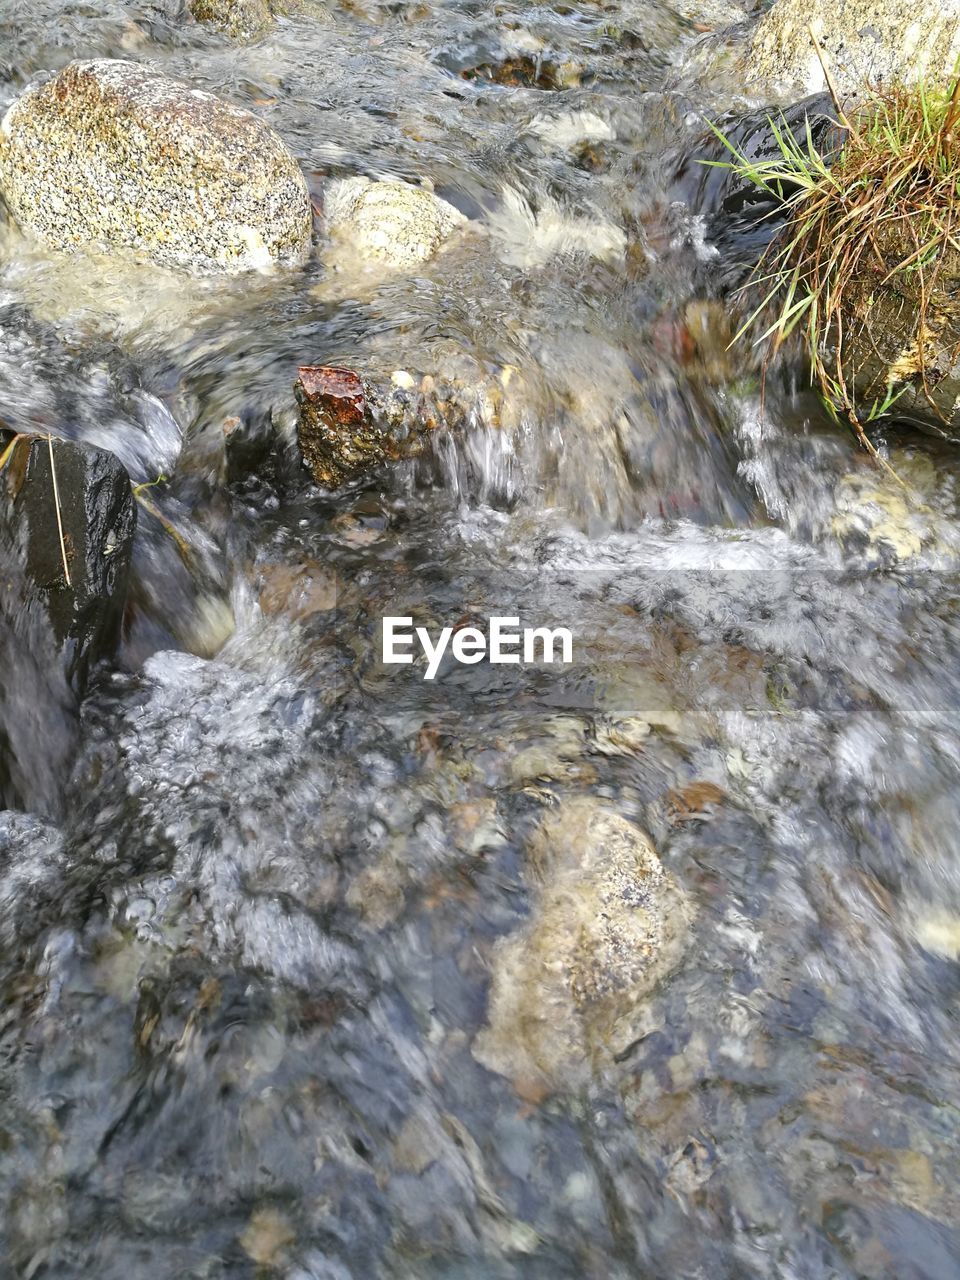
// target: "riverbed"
[[254, 893]]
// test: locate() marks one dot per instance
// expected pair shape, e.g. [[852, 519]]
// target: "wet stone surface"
[[311, 968], [609, 925], [71, 509]]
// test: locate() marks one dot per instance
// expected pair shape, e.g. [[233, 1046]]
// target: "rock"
[[112, 155], [522, 71], [882, 344], [235, 17], [38, 719], [609, 923], [297, 591], [268, 1237], [866, 42], [350, 421], [741, 218], [894, 518], [390, 223], [81, 563], [699, 339], [348, 424]]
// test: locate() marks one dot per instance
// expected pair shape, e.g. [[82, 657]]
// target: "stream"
[[252, 894]]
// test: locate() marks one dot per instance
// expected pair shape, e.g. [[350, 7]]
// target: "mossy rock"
[[883, 351]]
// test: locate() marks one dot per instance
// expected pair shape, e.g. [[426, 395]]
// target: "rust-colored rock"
[[338, 391], [350, 422], [347, 426]]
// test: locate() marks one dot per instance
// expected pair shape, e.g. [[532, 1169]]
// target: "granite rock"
[[236, 17], [110, 154], [865, 41]]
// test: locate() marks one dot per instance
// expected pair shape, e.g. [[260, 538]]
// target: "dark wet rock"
[[609, 923], [111, 154], [37, 707], [80, 562], [741, 218], [246, 443], [865, 42]]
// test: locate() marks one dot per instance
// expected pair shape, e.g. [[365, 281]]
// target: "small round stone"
[[390, 222]]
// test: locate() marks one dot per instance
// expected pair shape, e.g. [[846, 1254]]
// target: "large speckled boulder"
[[865, 41], [609, 923], [110, 154], [389, 223]]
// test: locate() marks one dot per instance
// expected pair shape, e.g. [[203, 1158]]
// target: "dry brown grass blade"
[[152, 509], [56, 504], [951, 116], [831, 85]]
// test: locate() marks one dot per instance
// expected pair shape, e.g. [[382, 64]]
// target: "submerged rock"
[[389, 222], [609, 923], [521, 71], [235, 17], [865, 41], [71, 512], [112, 155], [894, 517]]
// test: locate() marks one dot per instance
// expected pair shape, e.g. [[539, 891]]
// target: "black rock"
[[742, 218], [70, 511], [38, 709]]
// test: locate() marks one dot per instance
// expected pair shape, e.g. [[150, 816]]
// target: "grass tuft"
[[880, 212]]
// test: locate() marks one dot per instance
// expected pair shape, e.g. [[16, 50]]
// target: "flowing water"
[[252, 894]]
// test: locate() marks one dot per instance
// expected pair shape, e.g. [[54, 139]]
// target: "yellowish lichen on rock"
[[267, 1237], [569, 990], [236, 17], [108, 154], [888, 513]]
